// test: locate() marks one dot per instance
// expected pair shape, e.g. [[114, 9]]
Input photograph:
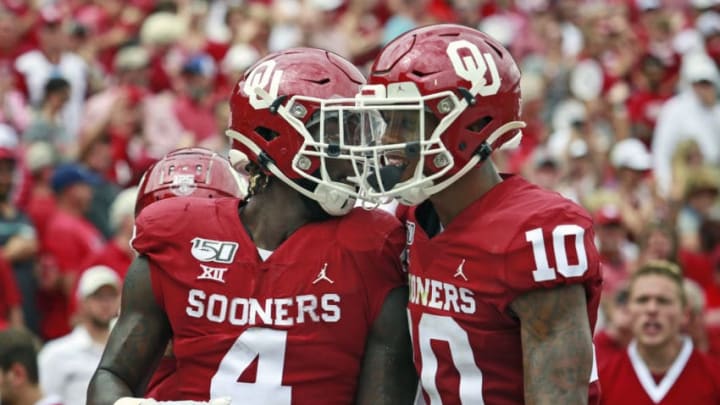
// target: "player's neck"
[[659, 358], [273, 215], [450, 202]]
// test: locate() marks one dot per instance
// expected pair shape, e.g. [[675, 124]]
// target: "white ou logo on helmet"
[[474, 66], [262, 76]]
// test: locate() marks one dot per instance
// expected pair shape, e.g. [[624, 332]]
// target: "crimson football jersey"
[[693, 378], [290, 329], [515, 239]]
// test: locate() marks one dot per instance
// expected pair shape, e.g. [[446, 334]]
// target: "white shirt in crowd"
[[683, 117], [67, 364], [37, 70]]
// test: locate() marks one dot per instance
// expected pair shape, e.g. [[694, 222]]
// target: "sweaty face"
[[656, 310]]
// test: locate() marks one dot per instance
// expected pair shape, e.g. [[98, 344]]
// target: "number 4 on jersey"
[[268, 346], [544, 272]]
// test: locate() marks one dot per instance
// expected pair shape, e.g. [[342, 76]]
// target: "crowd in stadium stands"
[[620, 97]]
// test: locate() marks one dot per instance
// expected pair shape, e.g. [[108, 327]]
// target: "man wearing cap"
[[18, 241], [67, 364], [700, 196], [69, 242], [631, 161], [692, 114]]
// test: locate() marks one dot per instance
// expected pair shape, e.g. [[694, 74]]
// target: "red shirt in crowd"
[[9, 293], [692, 379], [68, 243], [113, 256]]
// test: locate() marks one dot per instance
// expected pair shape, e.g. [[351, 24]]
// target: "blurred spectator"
[[67, 364], [657, 242], [614, 337], [696, 327], [652, 85], [65, 256], [13, 108], [195, 99], [10, 42], [234, 63], [11, 311], [571, 122], [544, 170], [185, 117], [41, 160], [158, 33], [407, 14], [18, 240], [117, 253], [632, 163], [661, 365], [97, 158], [47, 124], [324, 29], [701, 195], [19, 370], [581, 177], [617, 253], [692, 114], [52, 60], [703, 266], [114, 117]]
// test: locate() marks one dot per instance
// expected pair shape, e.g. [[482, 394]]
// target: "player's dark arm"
[[556, 344], [136, 343], [388, 375]]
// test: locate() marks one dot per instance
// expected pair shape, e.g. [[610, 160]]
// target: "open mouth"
[[652, 328]]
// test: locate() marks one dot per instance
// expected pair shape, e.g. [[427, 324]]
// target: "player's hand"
[[150, 401]]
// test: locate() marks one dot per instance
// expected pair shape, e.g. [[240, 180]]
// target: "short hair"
[[55, 85], [18, 346], [662, 268]]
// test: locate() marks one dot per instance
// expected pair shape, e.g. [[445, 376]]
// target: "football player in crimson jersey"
[[660, 365], [278, 298], [186, 172], [504, 276]]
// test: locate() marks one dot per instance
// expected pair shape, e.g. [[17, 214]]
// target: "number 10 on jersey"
[[544, 272]]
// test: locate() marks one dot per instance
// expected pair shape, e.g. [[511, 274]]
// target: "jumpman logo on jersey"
[[323, 276], [460, 271]]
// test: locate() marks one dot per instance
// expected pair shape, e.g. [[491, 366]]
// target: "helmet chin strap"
[[334, 202], [426, 188]]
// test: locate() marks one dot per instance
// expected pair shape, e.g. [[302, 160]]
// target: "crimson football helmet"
[[460, 84], [194, 172], [278, 122]]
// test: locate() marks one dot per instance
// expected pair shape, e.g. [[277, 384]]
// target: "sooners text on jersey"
[[290, 329], [515, 239]]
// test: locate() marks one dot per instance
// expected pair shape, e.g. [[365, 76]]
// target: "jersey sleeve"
[[150, 238], [550, 249]]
